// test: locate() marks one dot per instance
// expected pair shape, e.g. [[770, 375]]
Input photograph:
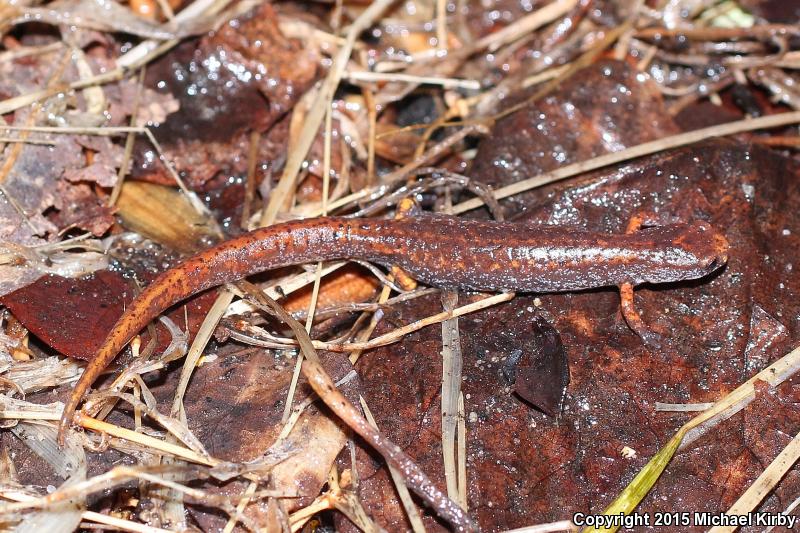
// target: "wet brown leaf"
[[526, 468], [244, 77]]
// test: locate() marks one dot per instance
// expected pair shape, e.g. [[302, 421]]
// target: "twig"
[[315, 115], [402, 491], [398, 333], [447, 83], [648, 148], [322, 384], [145, 440], [525, 25]]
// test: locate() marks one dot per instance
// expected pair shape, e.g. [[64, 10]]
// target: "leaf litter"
[[266, 112]]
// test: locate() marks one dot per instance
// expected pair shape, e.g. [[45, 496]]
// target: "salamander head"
[[683, 252], [698, 249], [708, 245]]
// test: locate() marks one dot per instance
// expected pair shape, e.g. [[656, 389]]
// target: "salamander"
[[440, 250]]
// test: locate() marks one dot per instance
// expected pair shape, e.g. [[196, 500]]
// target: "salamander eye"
[[716, 263]]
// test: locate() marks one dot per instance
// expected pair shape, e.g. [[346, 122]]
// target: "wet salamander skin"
[[443, 251]]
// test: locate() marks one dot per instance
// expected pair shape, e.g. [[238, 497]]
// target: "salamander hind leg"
[[407, 207]]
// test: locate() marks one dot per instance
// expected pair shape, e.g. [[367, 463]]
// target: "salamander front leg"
[[629, 312], [634, 320]]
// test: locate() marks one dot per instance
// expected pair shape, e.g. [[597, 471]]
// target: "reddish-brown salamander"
[[443, 251]]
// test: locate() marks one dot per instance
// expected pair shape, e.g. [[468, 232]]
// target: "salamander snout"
[[708, 245], [721, 246]]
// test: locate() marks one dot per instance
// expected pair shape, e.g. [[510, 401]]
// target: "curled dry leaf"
[[153, 109], [226, 85], [31, 189], [540, 374]]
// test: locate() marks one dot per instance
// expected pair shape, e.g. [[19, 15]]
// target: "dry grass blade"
[[65, 515], [402, 491], [12, 408], [525, 25], [575, 169], [314, 117], [581, 62], [121, 475], [682, 407], [146, 441], [347, 502], [42, 374], [386, 338], [553, 527], [322, 384], [452, 367], [43, 142], [129, 142], [282, 288], [435, 152], [18, 102], [441, 25], [119, 524], [365, 334], [648, 148], [774, 374], [765, 483], [196, 349], [718, 34], [461, 453], [335, 498], [29, 51], [395, 335], [326, 178], [233, 520], [176, 428], [447, 83]]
